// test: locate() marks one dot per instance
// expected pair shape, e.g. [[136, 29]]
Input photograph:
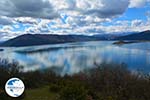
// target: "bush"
[[55, 88], [8, 70], [73, 91]]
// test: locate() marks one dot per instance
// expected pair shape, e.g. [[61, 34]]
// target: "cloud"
[[5, 20], [38, 27], [27, 8], [108, 8], [51, 9], [148, 13], [79, 12], [6, 33], [99, 8], [26, 20], [136, 22], [138, 3]]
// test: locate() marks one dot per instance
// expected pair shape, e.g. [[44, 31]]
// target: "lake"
[[70, 58]]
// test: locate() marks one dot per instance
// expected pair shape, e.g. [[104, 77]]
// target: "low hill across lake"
[[144, 36], [41, 39]]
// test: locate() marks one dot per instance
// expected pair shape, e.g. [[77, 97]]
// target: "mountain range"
[[42, 39]]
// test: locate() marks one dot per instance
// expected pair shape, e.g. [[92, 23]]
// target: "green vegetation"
[[40, 94], [104, 82]]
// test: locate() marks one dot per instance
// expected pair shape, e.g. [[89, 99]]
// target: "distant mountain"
[[112, 36], [42, 39], [107, 36], [136, 36], [104, 36]]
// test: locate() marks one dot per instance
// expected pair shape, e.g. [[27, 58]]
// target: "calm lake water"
[[74, 57]]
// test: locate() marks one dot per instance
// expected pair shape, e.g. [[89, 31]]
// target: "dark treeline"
[[104, 82]]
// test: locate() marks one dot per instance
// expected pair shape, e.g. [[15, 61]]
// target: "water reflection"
[[74, 57]]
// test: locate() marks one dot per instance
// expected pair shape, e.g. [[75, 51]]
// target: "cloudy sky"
[[87, 17]]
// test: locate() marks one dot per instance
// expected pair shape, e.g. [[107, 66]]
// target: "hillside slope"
[[41, 39], [137, 36]]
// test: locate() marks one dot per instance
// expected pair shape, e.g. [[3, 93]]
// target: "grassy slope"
[[40, 94]]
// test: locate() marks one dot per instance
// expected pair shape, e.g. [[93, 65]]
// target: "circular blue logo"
[[14, 87]]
